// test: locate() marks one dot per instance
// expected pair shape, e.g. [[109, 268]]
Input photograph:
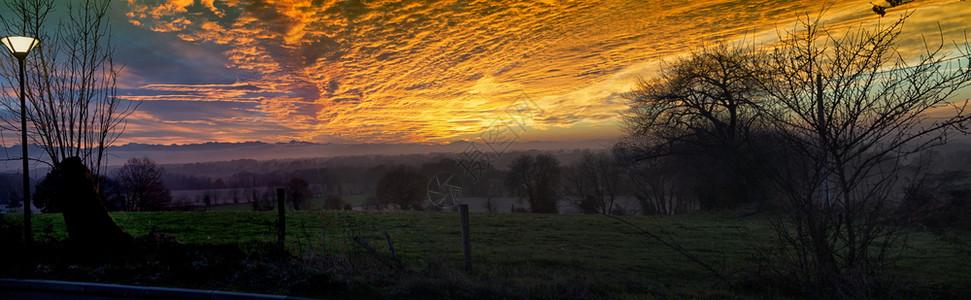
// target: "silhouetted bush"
[[402, 186]]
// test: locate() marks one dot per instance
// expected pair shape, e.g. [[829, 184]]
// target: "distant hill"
[[215, 152]]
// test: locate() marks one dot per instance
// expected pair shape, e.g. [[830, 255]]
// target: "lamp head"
[[19, 46]]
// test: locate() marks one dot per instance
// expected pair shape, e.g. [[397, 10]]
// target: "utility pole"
[[821, 127]]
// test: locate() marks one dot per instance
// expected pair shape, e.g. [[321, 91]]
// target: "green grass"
[[315, 203], [235, 207], [353, 200], [526, 253]]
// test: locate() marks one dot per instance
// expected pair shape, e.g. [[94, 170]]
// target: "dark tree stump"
[[89, 226]]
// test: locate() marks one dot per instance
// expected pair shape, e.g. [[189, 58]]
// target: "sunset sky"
[[429, 72]]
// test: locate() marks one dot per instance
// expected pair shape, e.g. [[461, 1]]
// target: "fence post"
[[281, 218], [466, 240]]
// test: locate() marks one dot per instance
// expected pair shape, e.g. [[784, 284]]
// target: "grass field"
[[514, 255], [316, 203]]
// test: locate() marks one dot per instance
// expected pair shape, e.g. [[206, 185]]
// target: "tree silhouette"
[[403, 186], [707, 108], [142, 182], [537, 179], [847, 109], [593, 184], [298, 192]]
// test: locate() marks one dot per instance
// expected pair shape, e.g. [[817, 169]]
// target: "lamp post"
[[19, 46]]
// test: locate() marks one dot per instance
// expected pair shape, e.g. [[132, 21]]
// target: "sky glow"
[[429, 71]]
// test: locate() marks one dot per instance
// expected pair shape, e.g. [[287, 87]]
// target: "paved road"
[[48, 289], [49, 295]]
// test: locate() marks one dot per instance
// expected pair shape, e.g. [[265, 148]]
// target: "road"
[[12, 289]]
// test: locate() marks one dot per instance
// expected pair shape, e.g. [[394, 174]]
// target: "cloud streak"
[[435, 72]]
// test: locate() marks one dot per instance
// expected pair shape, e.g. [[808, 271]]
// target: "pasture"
[[514, 255]]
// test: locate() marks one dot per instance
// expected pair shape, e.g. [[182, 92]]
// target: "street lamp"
[[19, 46]]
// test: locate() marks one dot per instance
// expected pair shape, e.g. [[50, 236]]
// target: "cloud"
[[435, 72], [235, 92], [159, 122]]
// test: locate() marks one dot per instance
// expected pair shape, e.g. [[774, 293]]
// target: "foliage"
[[938, 200], [112, 193], [43, 200], [11, 189], [12, 235]]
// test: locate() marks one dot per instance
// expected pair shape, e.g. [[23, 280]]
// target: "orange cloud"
[[411, 71]]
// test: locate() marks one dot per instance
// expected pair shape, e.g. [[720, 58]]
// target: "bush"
[[937, 208], [12, 235]]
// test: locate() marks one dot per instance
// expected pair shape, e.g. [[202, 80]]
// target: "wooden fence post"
[[394, 254]]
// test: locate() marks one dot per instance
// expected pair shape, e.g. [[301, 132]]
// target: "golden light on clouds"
[[440, 71]]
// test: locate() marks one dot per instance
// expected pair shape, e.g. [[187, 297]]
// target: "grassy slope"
[[536, 253]]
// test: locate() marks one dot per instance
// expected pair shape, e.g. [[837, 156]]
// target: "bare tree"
[[142, 182], [298, 192], [404, 186], [706, 106], [593, 183], [709, 98], [537, 179], [657, 181], [848, 107], [576, 190], [73, 113], [73, 107], [841, 111]]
